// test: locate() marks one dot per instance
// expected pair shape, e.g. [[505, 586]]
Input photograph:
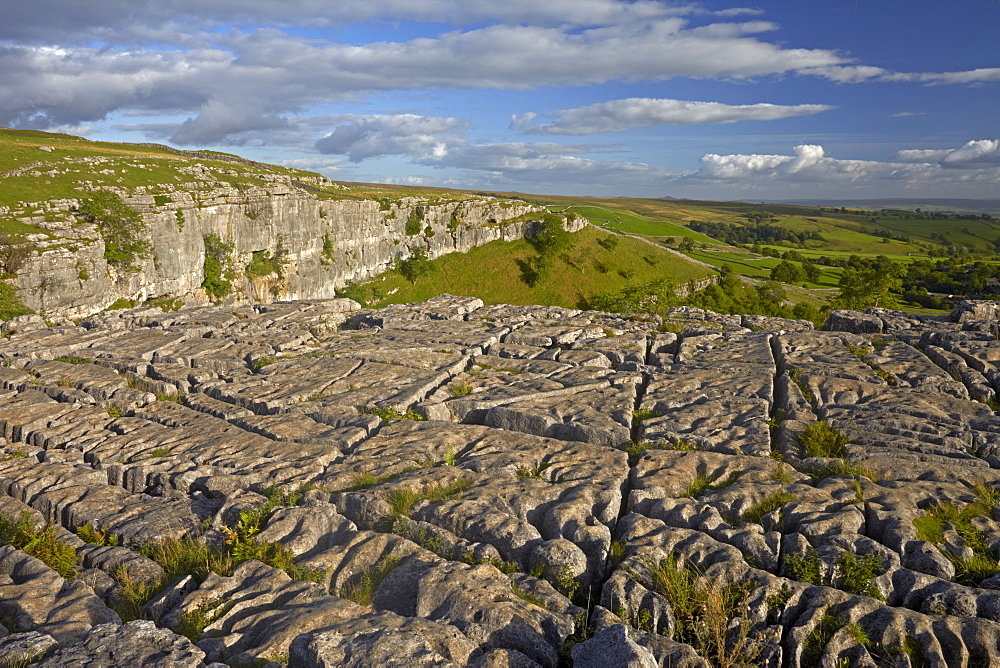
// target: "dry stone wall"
[[449, 483], [328, 243]]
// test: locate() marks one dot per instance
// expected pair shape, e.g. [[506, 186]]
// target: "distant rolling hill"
[[955, 204]]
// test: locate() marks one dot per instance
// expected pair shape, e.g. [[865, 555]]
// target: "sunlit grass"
[[492, 273]]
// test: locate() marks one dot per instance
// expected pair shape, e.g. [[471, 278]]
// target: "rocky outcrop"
[[449, 483], [323, 241]]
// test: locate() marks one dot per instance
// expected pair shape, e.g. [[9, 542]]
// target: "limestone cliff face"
[[328, 242]]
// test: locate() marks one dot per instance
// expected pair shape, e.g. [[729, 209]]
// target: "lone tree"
[[415, 266], [553, 237], [877, 285], [551, 241], [788, 272]]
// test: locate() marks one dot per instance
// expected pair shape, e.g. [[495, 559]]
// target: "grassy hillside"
[[76, 165], [597, 262]]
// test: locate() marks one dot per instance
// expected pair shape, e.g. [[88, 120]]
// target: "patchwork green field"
[[842, 231]]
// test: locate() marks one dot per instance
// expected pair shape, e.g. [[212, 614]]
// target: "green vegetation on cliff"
[[264, 263], [218, 278], [11, 305], [122, 228]]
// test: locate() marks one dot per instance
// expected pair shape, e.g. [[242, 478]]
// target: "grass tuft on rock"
[[391, 413], [704, 610], [192, 623], [844, 467], [703, 483], [768, 504], [39, 542], [402, 499], [942, 516], [459, 389], [362, 591]]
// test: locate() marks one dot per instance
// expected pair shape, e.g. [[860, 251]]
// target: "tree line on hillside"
[[730, 294], [906, 213], [954, 275], [864, 283], [757, 233], [881, 282]]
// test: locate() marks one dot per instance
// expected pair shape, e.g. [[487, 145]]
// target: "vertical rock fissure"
[[779, 403], [780, 398], [594, 595]]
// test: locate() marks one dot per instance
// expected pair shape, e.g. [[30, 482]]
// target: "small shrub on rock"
[[803, 568], [821, 440], [858, 574], [217, 281]]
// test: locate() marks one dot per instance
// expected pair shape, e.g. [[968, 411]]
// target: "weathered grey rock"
[[382, 639], [612, 647], [137, 643], [260, 611], [24, 648], [854, 322], [975, 310], [37, 598], [482, 603]]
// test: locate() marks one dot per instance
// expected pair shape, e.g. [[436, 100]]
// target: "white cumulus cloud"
[[975, 154], [421, 137], [930, 171], [636, 112], [808, 164], [920, 155], [739, 166]]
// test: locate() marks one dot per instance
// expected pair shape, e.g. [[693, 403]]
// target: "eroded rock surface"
[[449, 483]]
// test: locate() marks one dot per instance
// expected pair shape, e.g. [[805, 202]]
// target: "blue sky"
[[772, 100]]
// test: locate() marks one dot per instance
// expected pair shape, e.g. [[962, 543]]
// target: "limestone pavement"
[[449, 483]]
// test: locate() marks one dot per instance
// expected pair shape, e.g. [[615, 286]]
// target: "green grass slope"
[[597, 262]]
